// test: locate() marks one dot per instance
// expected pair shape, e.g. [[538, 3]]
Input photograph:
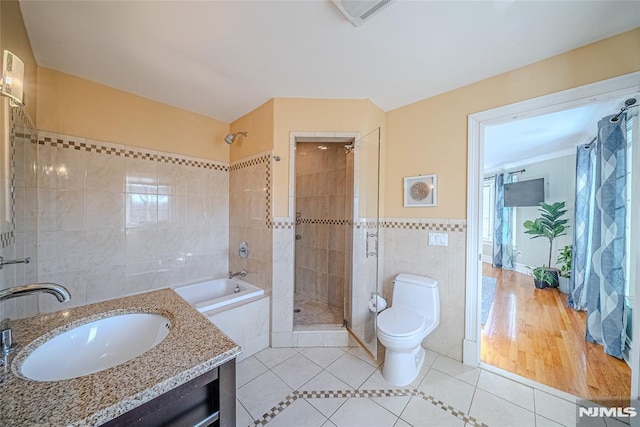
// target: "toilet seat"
[[396, 323]]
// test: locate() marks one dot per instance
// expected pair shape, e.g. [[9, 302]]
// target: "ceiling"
[[543, 137], [224, 58]]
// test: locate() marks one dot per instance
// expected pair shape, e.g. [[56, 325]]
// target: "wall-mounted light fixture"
[[12, 79]]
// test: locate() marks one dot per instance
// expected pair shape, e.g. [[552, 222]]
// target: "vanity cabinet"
[[207, 400]]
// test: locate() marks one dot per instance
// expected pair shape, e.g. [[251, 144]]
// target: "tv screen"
[[524, 193]]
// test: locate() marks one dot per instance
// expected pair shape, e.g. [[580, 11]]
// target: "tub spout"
[[59, 291], [239, 273]]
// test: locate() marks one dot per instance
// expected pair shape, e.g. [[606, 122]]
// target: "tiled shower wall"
[[116, 220], [24, 241], [406, 251], [250, 218], [322, 221]]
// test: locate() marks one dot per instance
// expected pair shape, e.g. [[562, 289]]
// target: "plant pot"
[[540, 284], [563, 284]]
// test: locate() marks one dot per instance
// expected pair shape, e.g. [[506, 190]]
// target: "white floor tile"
[[297, 414], [554, 408], [351, 370], [546, 422], [248, 369], [296, 370], [271, 357], [393, 404], [324, 381], [263, 393], [362, 412], [420, 412], [243, 419], [429, 357], [322, 356], [452, 391], [507, 389], [498, 412], [402, 423], [377, 382], [456, 369], [361, 354]]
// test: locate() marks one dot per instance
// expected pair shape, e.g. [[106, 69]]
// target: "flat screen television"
[[524, 193]]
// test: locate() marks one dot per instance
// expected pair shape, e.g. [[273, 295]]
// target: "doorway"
[[478, 124]]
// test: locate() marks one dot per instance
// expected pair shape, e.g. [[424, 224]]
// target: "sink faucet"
[[239, 273], [59, 291]]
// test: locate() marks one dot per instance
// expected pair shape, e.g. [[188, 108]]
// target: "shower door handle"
[[375, 245]]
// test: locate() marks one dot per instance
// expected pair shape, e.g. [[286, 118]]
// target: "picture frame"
[[420, 191]]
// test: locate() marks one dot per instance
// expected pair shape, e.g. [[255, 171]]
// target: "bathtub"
[[216, 293]]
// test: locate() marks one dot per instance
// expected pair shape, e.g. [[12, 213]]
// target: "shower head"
[[232, 137]]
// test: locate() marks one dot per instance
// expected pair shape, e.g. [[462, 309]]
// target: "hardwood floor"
[[531, 332]]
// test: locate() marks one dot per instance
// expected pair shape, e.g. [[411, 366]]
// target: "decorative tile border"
[[67, 142], [417, 225], [341, 394], [279, 225], [323, 221]]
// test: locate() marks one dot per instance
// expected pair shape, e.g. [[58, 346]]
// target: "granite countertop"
[[194, 346]]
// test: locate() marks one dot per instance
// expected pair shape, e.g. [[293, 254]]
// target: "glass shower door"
[[365, 236]]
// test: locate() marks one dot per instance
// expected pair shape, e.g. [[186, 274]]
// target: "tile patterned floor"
[[315, 312], [343, 387]]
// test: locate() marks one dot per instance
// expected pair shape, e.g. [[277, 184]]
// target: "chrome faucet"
[[59, 291], [239, 273], [6, 337]]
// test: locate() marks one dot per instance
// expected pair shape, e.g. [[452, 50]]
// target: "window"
[[488, 200]]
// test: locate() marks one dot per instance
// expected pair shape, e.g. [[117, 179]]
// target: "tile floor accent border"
[[341, 394]]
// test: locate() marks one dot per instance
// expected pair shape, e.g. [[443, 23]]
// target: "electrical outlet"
[[438, 239]]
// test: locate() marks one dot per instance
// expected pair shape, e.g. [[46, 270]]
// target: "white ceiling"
[[224, 58], [540, 138]]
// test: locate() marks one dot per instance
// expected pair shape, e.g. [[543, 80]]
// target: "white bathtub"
[[217, 293]]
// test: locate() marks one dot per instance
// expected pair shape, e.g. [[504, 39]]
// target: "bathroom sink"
[[95, 346]]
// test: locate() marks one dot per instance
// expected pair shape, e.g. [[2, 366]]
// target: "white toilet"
[[401, 328]]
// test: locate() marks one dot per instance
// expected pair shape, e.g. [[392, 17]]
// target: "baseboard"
[[521, 268], [470, 353], [487, 258]]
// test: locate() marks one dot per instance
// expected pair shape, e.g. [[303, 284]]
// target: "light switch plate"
[[438, 239]]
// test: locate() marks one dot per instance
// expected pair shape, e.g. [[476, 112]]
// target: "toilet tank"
[[416, 293]]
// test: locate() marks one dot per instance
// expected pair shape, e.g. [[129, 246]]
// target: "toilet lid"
[[399, 323]]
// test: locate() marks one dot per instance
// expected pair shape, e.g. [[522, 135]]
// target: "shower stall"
[[324, 206], [336, 233]]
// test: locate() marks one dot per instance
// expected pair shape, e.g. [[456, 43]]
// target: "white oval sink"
[[95, 346]]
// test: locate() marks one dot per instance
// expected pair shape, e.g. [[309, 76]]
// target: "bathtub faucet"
[[239, 273]]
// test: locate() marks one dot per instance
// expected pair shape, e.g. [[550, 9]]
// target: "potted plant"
[[551, 225], [564, 261], [542, 277]]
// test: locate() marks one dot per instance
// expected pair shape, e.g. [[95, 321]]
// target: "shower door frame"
[[281, 337]]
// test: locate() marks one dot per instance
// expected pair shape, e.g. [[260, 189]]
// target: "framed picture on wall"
[[420, 191]]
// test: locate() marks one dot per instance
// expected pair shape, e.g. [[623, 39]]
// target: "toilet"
[[414, 314]]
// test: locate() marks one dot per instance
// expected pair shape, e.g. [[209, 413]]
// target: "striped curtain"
[[502, 225], [598, 273]]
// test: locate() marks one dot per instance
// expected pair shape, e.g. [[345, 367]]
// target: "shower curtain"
[[598, 275], [502, 225]]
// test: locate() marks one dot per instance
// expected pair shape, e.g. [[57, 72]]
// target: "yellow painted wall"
[[13, 37], [430, 136], [259, 124], [315, 115], [74, 106]]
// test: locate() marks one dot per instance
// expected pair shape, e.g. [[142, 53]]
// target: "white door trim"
[[596, 92]]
